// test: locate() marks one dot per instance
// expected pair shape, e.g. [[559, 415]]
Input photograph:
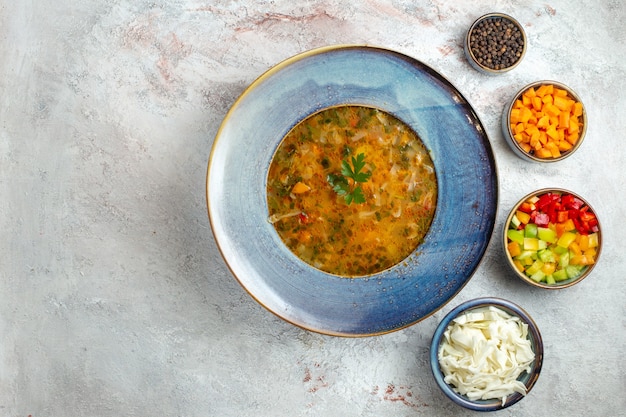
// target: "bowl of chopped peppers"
[[552, 238]]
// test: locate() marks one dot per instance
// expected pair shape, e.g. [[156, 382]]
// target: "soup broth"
[[351, 190]]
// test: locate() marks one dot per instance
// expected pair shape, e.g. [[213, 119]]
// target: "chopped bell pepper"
[[558, 231]]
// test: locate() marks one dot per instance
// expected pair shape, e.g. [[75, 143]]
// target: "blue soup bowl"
[[466, 178], [528, 378]]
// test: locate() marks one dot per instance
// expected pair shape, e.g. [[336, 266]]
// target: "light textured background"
[[114, 300]]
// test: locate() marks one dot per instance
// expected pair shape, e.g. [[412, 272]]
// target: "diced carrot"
[[530, 92], [536, 135], [564, 120], [554, 121], [554, 150], [552, 110], [551, 132], [562, 103], [543, 122], [300, 188], [543, 153], [531, 129], [525, 114], [515, 116], [534, 141], [565, 146], [546, 117], [574, 126], [572, 138], [578, 109], [545, 89], [559, 92]]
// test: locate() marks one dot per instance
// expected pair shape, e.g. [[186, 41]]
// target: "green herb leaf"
[[357, 196], [354, 171], [340, 182], [346, 169]]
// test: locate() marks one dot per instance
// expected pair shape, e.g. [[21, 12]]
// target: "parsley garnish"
[[341, 185]]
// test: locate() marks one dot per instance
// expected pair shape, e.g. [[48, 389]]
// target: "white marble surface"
[[114, 300]]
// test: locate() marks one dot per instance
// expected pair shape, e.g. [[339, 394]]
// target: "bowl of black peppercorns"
[[495, 43]]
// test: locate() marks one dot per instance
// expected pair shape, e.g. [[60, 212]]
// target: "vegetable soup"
[[351, 190]]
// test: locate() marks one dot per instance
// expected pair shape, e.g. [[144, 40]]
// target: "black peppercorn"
[[496, 42]]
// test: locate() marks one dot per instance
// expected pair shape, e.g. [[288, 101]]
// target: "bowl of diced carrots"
[[545, 122], [552, 238]]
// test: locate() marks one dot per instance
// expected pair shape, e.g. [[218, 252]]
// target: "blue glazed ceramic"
[[466, 206], [528, 379]]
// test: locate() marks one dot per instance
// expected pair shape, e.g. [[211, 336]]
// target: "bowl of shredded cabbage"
[[486, 354]]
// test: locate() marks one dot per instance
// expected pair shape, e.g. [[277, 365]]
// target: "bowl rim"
[[509, 307], [506, 122], [523, 277], [470, 55]]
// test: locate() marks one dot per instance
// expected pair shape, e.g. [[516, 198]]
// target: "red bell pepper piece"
[[586, 215], [571, 202], [526, 207], [542, 219], [578, 203], [546, 199], [582, 227], [568, 201]]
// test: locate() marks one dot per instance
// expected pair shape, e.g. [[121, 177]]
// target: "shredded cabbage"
[[483, 353]]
